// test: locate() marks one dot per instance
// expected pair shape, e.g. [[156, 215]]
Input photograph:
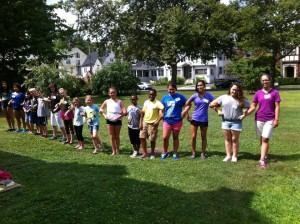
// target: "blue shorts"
[[92, 128], [28, 117], [235, 125]]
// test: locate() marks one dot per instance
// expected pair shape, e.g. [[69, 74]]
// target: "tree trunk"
[[174, 73], [273, 69]]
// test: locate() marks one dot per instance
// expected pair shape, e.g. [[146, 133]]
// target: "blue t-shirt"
[[173, 107], [92, 116], [78, 119], [18, 99], [200, 113]]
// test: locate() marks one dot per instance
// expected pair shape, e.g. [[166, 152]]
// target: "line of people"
[[32, 108]]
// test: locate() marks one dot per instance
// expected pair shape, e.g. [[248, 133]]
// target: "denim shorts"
[[235, 125], [92, 128]]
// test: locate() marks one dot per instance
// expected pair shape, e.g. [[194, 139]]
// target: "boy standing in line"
[[149, 121]]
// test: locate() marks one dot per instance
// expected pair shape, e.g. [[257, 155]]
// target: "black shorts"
[[4, 104], [33, 119], [41, 121], [116, 123], [134, 136], [199, 124]]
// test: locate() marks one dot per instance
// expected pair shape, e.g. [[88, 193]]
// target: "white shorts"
[[264, 129], [56, 120]]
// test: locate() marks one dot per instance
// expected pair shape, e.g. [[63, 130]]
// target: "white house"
[[290, 65], [72, 64]]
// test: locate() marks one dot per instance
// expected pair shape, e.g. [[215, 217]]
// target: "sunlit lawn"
[[62, 185]]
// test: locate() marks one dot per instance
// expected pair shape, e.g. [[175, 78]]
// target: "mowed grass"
[[62, 185]]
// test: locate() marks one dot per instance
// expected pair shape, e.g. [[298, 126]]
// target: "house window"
[[146, 73], [220, 70], [111, 60], [200, 71], [77, 62], [178, 72], [160, 72], [68, 61], [139, 73], [77, 55]]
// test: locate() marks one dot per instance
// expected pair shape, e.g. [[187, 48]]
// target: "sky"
[[70, 18]]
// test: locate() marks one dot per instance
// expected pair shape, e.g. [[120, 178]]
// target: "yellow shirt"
[[151, 110]]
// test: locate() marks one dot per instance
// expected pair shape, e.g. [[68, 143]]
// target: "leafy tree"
[[42, 75], [28, 29], [154, 31], [117, 74], [249, 70], [269, 27]]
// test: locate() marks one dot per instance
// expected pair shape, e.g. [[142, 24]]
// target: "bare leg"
[[144, 146], [204, 139], [235, 142], [194, 130], [166, 137], [264, 148], [228, 142], [175, 141], [153, 143], [111, 132], [117, 130]]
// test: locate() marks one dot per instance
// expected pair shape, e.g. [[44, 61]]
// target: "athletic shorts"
[[134, 136], [56, 120], [149, 131], [234, 125], [199, 124], [28, 117], [264, 129], [4, 104], [41, 121], [116, 123], [175, 127]]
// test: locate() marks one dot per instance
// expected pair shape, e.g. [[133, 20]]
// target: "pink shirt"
[[266, 101]]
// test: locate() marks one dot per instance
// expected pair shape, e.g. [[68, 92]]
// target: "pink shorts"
[[175, 127]]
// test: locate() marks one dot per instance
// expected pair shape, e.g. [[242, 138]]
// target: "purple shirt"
[[200, 113], [266, 101]]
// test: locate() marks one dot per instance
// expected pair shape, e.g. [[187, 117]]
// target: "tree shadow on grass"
[[88, 193]]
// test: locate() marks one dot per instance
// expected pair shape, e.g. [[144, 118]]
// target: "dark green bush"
[[180, 80], [289, 81], [162, 81]]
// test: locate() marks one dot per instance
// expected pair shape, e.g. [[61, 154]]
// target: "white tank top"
[[113, 109]]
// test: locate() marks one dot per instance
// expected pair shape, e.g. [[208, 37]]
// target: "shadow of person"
[[87, 193]]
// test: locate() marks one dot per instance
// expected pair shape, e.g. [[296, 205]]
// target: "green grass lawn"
[[62, 185]]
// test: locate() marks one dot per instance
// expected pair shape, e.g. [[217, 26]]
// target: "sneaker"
[[193, 156], [143, 157], [63, 139], [101, 146], [17, 131], [267, 157], [262, 164], [227, 158], [234, 159], [152, 157], [96, 151], [164, 156], [203, 156], [134, 154], [175, 156], [24, 131], [53, 137]]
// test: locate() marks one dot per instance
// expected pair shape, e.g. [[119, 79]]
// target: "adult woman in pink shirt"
[[267, 115]]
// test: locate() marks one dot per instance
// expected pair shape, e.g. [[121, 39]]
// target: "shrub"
[[162, 81], [289, 81], [117, 74], [180, 80]]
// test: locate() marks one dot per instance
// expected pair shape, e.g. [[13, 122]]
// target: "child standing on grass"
[[91, 112], [66, 115], [33, 107], [16, 100], [115, 110], [149, 121], [28, 113], [134, 114], [42, 113], [78, 122]]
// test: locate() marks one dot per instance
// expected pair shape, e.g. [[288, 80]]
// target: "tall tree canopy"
[[269, 27], [155, 31], [28, 29]]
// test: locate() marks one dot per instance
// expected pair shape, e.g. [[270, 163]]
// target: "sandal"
[[96, 151]]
